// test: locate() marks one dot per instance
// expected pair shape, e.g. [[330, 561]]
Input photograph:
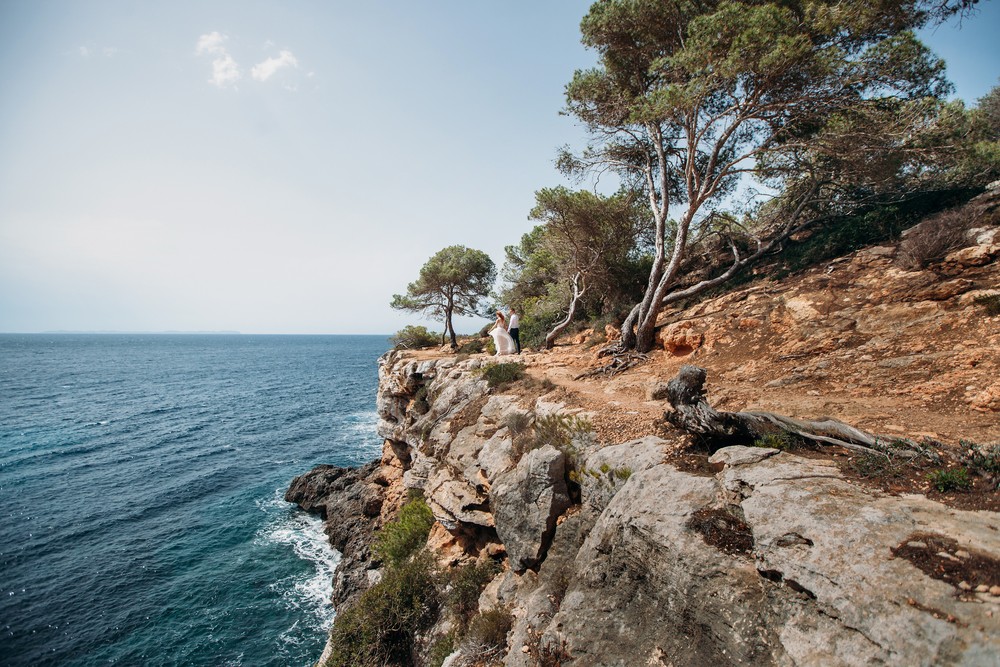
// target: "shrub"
[[783, 441], [414, 337], [947, 480], [440, 650], [516, 422], [570, 434], [473, 346], [486, 640], [876, 466], [934, 238], [498, 375], [990, 302], [404, 536], [467, 583], [380, 628], [875, 224]]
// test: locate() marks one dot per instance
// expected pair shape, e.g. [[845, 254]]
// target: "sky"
[[285, 167]]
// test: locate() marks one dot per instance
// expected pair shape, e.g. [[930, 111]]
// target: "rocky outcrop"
[[526, 503], [821, 583], [351, 502], [643, 569]]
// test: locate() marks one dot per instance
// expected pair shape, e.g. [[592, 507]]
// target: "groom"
[[512, 328]]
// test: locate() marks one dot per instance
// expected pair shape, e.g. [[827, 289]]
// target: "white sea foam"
[[310, 592]]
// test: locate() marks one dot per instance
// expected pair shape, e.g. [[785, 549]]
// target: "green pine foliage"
[[380, 629], [403, 537]]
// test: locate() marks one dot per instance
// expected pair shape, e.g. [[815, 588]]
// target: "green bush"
[[783, 441], [414, 337], [623, 473], [498, 375], [486, 639], [380, 628], [407, 534], [535, 327], [876, 224], [956, 479], [467, 583], [982, 459], [440, 650], [474, 346]]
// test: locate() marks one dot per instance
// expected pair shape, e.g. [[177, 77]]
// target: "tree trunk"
[[692, 413], [449, 327], [550, 338]]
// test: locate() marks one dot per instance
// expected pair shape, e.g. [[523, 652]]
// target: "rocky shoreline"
[[768, 558]]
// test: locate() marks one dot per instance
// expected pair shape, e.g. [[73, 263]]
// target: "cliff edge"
[[624, 542]]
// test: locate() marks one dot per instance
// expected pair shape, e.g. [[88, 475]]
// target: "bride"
[[501, 339]]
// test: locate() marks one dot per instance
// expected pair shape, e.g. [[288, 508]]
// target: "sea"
[[142, 519]]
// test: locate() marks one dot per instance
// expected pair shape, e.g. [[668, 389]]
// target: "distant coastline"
[[134, 333], [68, 332]]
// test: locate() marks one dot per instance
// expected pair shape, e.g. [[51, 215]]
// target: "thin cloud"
[[211, 43], [88, 51], [265, 70], [225, 70]]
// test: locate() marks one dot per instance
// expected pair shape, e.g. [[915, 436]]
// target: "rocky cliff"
[[624, 543], [767, 558]]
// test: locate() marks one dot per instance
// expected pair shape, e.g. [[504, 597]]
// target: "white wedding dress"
[[502, 340]]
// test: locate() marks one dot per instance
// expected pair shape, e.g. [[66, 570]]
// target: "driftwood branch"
[[692, 413]]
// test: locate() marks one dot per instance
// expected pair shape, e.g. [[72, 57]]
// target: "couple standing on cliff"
[[506, 338]]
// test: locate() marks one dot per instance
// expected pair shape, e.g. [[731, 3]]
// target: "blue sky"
[[283, 167]]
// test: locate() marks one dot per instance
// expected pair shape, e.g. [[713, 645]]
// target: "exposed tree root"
[[620, 362], [692, 413]]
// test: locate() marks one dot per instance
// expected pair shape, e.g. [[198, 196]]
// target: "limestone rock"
[[455, 501], [496, 456], [526, 502], [987, 400], [977, 255], [608, 469], [822, 585], [740, 456]]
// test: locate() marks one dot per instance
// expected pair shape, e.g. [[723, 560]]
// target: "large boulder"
[[776, 560], [526, 502]]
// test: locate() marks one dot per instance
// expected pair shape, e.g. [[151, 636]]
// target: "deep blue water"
[[141, 484]]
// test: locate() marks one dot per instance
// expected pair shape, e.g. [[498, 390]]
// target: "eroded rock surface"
[[526, 503]]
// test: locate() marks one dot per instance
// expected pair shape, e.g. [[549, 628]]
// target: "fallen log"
[[692, 413]]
